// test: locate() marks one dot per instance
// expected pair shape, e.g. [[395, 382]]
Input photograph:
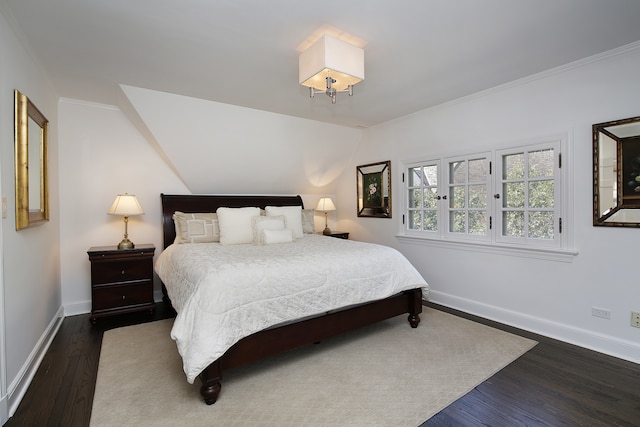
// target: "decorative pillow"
[[236, 225], [196, 227], [261, 223], [293, 215], [277, 236], [308, 221]]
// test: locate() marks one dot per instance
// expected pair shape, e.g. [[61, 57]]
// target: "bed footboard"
[[288, 337]]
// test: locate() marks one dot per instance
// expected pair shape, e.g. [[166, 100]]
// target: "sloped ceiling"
[[229, 149], [244, 52]]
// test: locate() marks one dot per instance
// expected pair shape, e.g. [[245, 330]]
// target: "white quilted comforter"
[[223, 293]]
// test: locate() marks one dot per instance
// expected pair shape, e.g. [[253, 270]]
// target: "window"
[[468, 188], [507, 197], [423, 197], [529, 181]]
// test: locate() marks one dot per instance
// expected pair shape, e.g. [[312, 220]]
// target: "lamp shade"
[[126, 205], [325, 204], [330, 56]]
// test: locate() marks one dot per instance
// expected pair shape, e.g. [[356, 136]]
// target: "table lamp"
[[126, 205], [326, 204]]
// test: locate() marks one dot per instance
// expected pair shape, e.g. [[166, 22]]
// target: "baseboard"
[[605, 344], [74, 309], [19, 386]]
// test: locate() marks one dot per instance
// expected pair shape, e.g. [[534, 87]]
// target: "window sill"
[[548, 254]]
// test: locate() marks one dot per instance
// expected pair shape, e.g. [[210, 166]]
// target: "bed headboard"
[[190, 203]]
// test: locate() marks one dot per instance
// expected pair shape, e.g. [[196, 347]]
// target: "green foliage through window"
[[465, 197]]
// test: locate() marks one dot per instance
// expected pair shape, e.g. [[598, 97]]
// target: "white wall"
[[30, 281], [228, 150], [103, 155], [554, 298]]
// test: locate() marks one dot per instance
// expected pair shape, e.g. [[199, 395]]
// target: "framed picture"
[[374, 189]]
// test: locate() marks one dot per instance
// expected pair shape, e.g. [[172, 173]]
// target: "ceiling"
[[418, 53]]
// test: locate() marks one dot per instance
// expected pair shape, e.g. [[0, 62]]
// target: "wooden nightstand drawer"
[[121, 271], [117, 296]]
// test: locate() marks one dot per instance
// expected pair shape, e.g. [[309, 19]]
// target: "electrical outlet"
[[601, 312], [635, 319]]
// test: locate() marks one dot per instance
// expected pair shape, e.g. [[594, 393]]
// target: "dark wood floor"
[[554, 384]]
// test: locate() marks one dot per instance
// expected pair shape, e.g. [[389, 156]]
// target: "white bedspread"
[[223, 293]]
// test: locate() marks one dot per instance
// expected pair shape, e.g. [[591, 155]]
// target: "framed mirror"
[[374, 189], [616, 173], [31, 151]]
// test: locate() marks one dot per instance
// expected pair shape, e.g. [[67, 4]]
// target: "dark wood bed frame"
[[276, 340]]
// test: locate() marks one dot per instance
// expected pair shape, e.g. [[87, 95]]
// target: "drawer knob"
[[122, 272], [123, 297]]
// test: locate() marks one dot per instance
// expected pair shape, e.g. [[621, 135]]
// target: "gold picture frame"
[[374, 189], [31, 164]]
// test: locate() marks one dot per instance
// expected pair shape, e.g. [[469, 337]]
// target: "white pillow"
[[293, 215], [196, 227], [261, 223], [277, 236], [236, 225], [308, 221]]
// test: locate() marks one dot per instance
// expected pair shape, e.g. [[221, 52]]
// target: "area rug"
[[386, 374]]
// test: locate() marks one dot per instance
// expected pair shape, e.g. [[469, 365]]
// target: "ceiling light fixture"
[[331, 65]]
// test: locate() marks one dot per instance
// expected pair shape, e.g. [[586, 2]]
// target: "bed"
[[196, 307]]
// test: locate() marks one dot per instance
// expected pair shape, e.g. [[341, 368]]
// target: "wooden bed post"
[[210, 378], [415, 307]]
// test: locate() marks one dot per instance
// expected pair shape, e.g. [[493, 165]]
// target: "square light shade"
[[126, 205], [330, 56], [325, 204]]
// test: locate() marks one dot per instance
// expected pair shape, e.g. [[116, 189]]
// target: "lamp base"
[[126, 244], [326, 231]]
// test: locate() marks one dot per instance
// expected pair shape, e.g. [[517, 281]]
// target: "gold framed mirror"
[[31, 152], [374, 189], [616, 173]]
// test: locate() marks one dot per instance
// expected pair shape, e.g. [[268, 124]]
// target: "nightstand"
[[121, 280], [340, 234]]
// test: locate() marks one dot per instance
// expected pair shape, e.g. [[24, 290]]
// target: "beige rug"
[[384, 375]]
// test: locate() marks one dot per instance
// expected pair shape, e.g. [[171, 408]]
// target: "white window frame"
[[560, 249], [422, 187], [556, 242], [446, 209]]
